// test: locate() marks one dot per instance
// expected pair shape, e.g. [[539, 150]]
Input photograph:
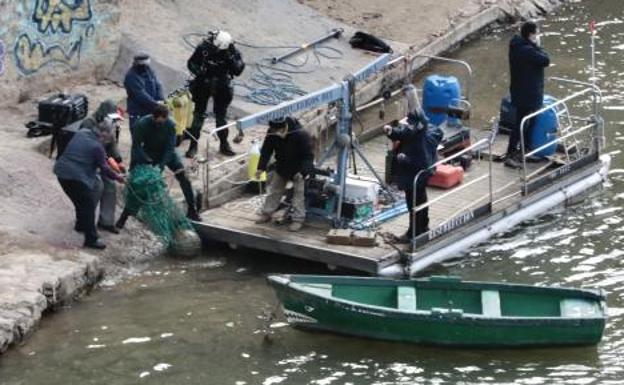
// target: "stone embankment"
[[74, 46]]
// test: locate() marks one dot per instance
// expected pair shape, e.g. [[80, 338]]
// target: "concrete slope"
[[256, 22]]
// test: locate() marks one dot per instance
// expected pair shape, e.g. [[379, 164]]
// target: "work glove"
[[387, 129]]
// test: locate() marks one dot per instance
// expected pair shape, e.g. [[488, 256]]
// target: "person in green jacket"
[[153, 144]]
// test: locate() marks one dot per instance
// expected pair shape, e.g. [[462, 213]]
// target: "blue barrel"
[[440, 92], [544, 130]]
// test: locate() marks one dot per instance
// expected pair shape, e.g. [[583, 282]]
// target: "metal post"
[[335, 33], [342, 128]]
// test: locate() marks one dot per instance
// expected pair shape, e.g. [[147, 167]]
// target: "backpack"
[[369, 42]]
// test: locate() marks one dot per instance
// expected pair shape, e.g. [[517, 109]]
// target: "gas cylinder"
[[252, 163]]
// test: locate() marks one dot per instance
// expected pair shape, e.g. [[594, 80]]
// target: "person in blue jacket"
[[143, 88], [526, 68], [418, 144]]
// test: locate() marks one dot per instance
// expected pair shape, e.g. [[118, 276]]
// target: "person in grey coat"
[[106, 191], [76, 170]]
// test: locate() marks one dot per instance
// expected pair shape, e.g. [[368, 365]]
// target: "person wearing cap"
[[106, 193], [418, 143], [526, 68], [154, 144], [76, 170], [143, 88], [294, 161], [213, 65]]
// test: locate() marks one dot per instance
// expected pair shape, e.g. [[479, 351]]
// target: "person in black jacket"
[[214, 63], [294, 161], [418, 144], [526, 67]]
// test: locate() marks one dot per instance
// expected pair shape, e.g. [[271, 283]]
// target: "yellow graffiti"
[[55, 14], [30, 57]]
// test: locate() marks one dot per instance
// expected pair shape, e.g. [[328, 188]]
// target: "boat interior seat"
[[575, 307], [490, 303], [406, 298], [324, 289]]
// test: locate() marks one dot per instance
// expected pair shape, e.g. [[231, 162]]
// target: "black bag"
[[369, 42], [61, 110]]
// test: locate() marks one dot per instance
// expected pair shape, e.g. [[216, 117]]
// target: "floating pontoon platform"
[[457, 221]]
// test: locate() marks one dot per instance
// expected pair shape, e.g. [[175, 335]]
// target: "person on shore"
[[418, 144], [213, 64], [294, 161], [143, 88], [76, 170], [526, 68], [106, 193], [153, 144]]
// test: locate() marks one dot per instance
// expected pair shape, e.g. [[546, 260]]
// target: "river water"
[[203, 322]]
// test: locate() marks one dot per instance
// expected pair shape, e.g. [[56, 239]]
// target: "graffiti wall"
[[47, 41]]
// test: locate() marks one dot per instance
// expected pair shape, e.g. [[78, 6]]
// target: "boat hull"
[[303, 310]]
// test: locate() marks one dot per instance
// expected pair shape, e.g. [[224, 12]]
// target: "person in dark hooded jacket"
[[526, 67], [294, 160], [418, 144]]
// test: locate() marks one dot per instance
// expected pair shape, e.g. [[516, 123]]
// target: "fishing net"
[[148, 199]]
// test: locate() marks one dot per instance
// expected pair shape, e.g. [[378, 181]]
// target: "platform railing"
[[485, 142], [596, 93]]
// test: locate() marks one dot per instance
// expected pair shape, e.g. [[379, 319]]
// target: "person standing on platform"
[[526, 68], [294, 161], [213, 64], [418, 144]]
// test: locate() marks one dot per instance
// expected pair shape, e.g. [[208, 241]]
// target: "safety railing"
[[474, 147], [597, 99]]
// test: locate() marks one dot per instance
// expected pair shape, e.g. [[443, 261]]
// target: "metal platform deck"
[[233, 223]]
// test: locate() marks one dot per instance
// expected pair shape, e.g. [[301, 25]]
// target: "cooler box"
[[446, 176], [440, 92]]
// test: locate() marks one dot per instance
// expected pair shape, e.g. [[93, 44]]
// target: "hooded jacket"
[[293, 154], [419, 141], [143, 89], [526, 67]]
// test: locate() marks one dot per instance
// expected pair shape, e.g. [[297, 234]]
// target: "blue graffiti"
[[31, 56], [2, 56], [60, 15]]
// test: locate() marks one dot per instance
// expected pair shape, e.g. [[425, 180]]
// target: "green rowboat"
[[443, 310]]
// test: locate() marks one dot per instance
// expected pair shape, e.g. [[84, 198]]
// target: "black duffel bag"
[[369, 42]]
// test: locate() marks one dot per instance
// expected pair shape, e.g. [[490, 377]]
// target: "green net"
[[148, 199]]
